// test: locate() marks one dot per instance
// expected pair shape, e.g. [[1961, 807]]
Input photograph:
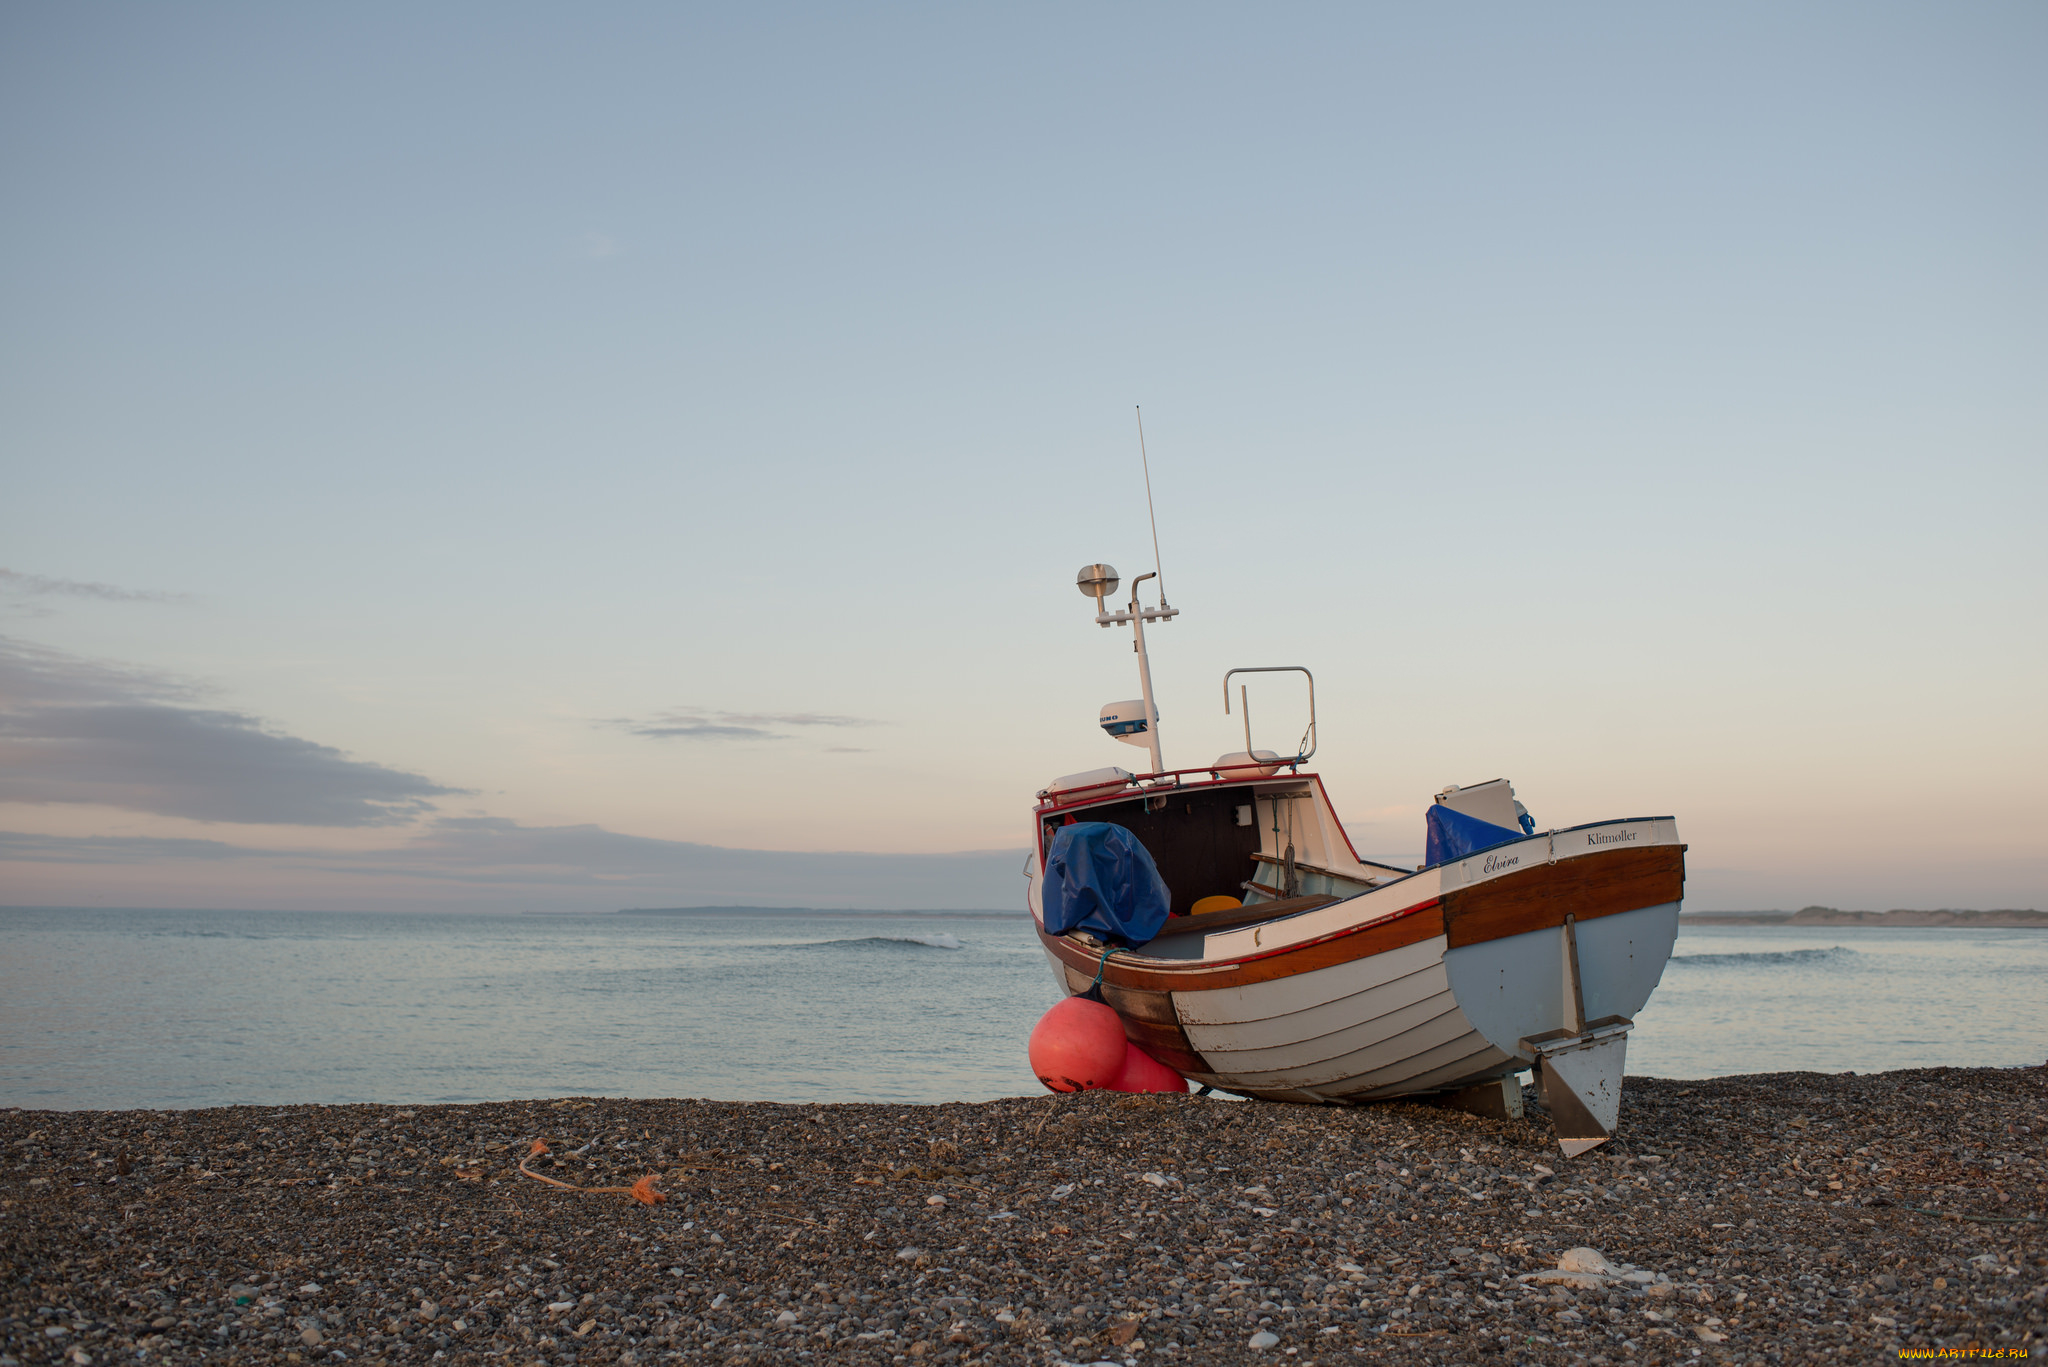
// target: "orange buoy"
[[1077, 1046], [1143, 1073]]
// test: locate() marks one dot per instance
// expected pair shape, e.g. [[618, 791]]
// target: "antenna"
[[1147, 461], [1098, 582]]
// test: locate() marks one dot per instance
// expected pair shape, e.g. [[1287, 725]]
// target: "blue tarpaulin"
[[1453, 835], [1098, 878]]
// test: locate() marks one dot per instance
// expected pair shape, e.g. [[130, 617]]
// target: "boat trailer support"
[[1500, 1099]]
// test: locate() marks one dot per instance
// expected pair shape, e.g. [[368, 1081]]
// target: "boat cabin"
[[1236, 845]]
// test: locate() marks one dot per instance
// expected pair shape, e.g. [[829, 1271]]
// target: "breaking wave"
[[938, 939], [1768, 958]]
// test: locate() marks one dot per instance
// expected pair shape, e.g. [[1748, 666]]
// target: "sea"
[[105, 1009]]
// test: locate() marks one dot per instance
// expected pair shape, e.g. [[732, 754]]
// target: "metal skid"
[[1579, 1078]]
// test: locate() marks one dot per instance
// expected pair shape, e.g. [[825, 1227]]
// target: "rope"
[[643, 1191], [1094, 992]]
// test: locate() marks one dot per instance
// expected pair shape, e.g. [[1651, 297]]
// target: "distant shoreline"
[[1830, 916]]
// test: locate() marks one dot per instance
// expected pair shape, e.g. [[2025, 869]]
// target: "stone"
[[1264, 1339], [1728, 1157], [310, 1337], [1584, 1260]]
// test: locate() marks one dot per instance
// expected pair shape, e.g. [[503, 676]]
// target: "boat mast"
[[1138, 616]]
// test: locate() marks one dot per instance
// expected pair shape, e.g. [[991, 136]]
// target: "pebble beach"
[[1781, 1218]]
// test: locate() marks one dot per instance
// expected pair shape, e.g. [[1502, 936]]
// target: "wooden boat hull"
[[1449, 977]]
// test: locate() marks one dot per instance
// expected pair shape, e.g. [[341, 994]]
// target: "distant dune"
[[1833, 916]]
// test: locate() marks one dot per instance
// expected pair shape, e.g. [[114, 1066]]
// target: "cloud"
[[110, 849], [81, 731], [491, 849], [700, 723], [660, 729], [488, 861], [42, 586]]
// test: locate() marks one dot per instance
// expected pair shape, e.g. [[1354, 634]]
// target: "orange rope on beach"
[[643, 1191]]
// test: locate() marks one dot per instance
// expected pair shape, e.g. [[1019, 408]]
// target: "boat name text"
[[1615, 838], [1495, 863]]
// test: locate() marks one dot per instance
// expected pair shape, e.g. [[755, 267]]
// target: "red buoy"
[[1143, 1073], [1077, 1046]]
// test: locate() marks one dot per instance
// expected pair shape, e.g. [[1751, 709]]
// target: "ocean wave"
[[1766, 959], [938, 939], [240, 935]]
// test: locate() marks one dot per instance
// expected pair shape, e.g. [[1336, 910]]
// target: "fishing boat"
[[1264, 956]]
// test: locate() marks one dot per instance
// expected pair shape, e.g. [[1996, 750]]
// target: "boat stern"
[[1554, 944]]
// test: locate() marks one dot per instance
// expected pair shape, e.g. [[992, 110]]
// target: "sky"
[[509, 457]]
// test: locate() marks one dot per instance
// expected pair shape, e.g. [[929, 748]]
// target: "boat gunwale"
[[1149, 961], [1137, 971]]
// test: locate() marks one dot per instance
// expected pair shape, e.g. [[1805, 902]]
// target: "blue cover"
[[1453, 835], [1098, 878]]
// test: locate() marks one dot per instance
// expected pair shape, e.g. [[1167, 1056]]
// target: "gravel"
[[1769, 1219]]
